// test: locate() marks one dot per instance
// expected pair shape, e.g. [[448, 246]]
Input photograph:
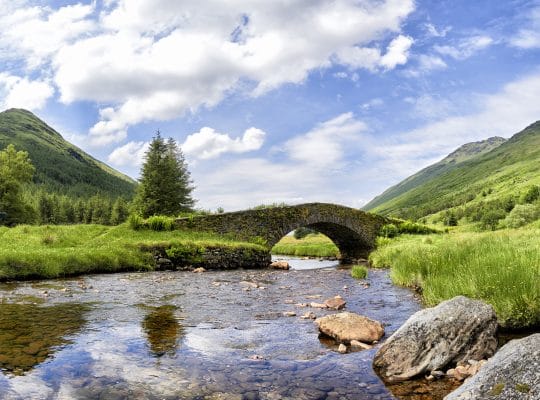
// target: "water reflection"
[[162, 330], [30, 334]]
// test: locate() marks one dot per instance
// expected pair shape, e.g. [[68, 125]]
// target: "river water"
[[184, 335]]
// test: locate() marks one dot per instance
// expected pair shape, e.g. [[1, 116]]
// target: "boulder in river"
[[453, 332], [512, 374], [347, 326]]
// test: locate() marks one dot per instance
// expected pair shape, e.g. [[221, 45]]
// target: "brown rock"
[[318, 305], [199, 270], [347, 326], [335, 303], [359, 345], [309, 315], [280, 265], [342, 348]]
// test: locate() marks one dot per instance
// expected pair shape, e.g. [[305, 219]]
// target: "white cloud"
[[529, 36], [324, 146], [156, 60], [207, 143], [432, 30], [466, 47], [130, 154], [17, 92], [397, 53], [426, 63]]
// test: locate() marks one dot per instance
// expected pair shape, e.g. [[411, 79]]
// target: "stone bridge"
[[353, 231]]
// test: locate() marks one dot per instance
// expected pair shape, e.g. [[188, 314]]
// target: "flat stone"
[[289, 314], [347, 326], [359, 345], [335, 303], [280, 265]]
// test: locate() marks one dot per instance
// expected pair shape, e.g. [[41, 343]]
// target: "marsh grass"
[[32, 252], [313, 245], [359, 272], [501, 268]]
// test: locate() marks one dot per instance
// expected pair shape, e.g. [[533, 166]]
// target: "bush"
[[490, 220], [532, 194], [186, 254], [302, 232], [359, 272], [521, 215], [135, 222], [389, 231], [160, 223]]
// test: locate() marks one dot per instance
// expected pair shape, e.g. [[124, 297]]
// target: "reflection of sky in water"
[[213, 327]]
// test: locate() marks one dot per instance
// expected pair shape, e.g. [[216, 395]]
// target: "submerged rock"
[[346, 326], [453, 332], [512, 374]]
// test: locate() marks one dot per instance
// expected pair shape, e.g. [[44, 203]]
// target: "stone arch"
[[353, 231]]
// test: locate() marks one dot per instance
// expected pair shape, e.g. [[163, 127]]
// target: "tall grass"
[[501, 268], [314, 245], [28, 252]]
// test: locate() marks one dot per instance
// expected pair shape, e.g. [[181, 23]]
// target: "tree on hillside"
[[165, 186], [15, 170]]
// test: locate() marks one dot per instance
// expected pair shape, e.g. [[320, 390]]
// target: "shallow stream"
[[184, 335]]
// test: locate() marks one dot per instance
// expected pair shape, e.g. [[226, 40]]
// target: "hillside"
[[491, 169], [60, 166]]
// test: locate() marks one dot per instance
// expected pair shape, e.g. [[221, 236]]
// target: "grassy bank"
[[314, 245], [501, 268], [28, 252]]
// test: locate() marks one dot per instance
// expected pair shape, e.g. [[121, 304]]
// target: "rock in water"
[[280, 265], [512, 374], [335, 303], [347, 326], [455, 331]]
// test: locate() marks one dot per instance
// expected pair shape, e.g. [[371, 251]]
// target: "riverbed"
[[185, 335]]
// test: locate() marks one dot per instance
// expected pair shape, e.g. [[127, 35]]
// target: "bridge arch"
[[353, 231]]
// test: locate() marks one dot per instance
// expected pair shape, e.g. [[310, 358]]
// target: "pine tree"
[[165, 185], [119, 211]]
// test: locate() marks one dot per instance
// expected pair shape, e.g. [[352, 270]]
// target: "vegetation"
[[165, 185], [313, 245], [359, 272], [501, 268], [302, 232], [61, 167], [29, 252], [479, 188], [15, 170]]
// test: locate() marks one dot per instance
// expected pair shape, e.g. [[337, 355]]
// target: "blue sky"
[[291, 101]]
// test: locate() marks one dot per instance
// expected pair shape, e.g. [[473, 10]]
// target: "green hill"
[[477, 172], [60, 166]]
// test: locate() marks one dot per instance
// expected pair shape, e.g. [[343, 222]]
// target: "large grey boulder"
[[513, 373], [456, 330]]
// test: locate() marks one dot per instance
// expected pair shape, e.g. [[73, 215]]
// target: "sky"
[[275, 101]]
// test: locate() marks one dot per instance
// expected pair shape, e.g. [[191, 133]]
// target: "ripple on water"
[[171, 335]]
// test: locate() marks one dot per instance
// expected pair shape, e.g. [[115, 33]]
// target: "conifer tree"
[[165, 185]]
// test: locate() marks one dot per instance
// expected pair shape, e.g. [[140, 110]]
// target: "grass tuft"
[[359, 272]]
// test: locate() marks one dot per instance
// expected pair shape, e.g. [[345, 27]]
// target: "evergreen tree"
[[15, 170], [165, 184], [119, 211]]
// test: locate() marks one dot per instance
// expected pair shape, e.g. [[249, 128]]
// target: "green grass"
[[359, 272], [314, 245], [29, 252], [501, 268]]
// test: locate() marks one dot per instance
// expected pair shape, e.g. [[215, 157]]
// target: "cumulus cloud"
[[207, 143], [130, 154], [20, 92], [157, 60]]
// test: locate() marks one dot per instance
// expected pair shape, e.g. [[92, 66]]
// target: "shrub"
[[185, 254], [359, 272], [389, 231], [532, 194], [302, 232], [135, 222], [490, 220], [160, 223], [48, 239], [521, 215]]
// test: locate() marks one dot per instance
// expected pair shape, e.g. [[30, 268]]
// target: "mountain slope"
[[60, 166], [501, 168]]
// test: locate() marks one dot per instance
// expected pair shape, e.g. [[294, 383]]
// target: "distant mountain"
[[496, 166], [60, 166]]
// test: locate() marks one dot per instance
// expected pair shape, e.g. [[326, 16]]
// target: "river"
[[185, 335]]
